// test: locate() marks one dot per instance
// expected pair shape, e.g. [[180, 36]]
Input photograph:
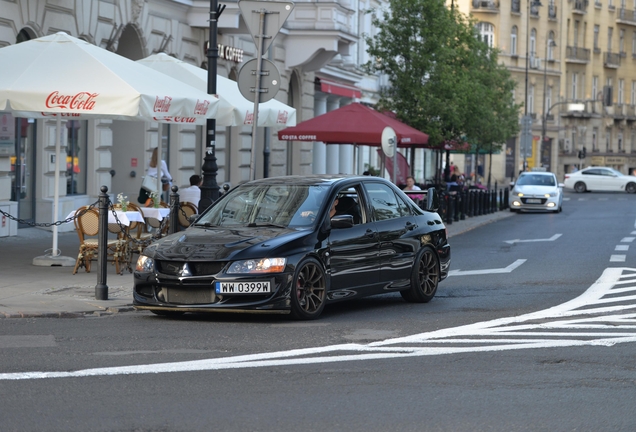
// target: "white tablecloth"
[[124, 217], [157, 213]]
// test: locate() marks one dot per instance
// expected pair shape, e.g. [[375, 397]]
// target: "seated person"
[[192, 194], [346, 205], [332, 211]]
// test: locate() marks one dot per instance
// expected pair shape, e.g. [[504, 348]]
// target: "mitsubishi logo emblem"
[[185, 270]]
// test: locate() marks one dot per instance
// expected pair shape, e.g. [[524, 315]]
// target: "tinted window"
[[592, 172], [384, 203]]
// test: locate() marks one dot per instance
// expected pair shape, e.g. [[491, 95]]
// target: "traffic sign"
[[268, 85], [274, 13]]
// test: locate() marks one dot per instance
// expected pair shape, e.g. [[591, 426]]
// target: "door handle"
[[410, 226], [370, 233]]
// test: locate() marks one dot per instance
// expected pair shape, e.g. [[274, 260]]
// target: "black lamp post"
[[527, 122], [546, 108], [209, 187]]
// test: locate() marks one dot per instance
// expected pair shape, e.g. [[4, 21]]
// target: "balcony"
[[598, 4], [515, 7], [552, 11], [626, 16], [486, 5], [580, 7], [630, 112], [577, 55], [612, 60]]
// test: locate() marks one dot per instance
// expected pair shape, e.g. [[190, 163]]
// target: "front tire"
[[424, 278], [580, 187], [630, 188], [309, 290]]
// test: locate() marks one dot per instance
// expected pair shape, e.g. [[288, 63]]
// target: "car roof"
[[536, 173], [310, 180]]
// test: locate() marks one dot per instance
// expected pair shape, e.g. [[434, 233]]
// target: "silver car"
[[536, 190]]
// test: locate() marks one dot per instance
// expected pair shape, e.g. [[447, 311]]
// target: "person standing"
[[159, 168], [192, 194]]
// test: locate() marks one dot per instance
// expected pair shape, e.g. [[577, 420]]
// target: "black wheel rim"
[[428, 273], [310, 288]]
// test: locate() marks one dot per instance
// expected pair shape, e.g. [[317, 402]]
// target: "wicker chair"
[[87, 227]]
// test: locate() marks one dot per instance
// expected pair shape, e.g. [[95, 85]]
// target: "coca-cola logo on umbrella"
[[201, 108], [80, 101], [162, 105]]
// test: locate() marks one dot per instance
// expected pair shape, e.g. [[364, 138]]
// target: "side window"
[[403, 207], [384, 203], [591, 172]]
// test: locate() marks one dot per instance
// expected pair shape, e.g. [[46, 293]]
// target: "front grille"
[[189, 296], [525, 200], [173, 268]]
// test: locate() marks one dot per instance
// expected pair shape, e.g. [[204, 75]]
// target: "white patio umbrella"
[[271, 113], [62, 76]]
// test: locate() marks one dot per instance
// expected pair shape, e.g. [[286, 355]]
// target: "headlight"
[[265, 265], [145, 264], [551, 194], [515, 193]]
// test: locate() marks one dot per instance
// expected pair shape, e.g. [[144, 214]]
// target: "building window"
[[596, 32], [575, 77], [633, 93], [533, 42], [621, 41], [548, 100], [513, 41], [594, 139], [608, 140], [633, 141], [621, 91], [76, 157], [595, 94], [486, 33], [531, 99], [634, 43], [576, 33], [610, 34], [619, 139], [551, 45]]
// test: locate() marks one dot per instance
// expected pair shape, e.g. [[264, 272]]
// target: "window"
[[610, 34], [531, 99], [486, 33], [621, 41], [384, 202], [513, 40], [633, 93], [608, 139], [595, 139], [575, 77], [76, 157], [596, 32], [595, 94], [576, 33], [548, 99], [634, 43], [533, 42], [551, 45], [619, 139], [621, 91]]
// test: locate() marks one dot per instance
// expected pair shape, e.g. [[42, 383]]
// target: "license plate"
[[243, 287], [533, 201]]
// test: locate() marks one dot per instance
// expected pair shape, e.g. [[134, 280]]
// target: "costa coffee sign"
[[81, 101]]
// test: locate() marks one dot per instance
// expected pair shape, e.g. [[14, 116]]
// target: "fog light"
[[516, 203], [551, 204]]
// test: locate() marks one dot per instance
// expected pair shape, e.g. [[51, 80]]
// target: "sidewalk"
[[32, 291]]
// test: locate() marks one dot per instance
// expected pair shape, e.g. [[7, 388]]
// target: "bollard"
[[449, 209], [506, 198], [174, 210], [101, 289], [463, 204], [456, 206]]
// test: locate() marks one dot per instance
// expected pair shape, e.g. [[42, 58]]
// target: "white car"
[[600, 179], [536, 191]]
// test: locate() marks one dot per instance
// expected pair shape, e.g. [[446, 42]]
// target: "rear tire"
[[580, 187], [630, 188], [424, 278]]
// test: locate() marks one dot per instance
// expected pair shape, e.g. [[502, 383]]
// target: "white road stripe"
[[508, 269], [617, 258], [627, 239], [621, 248], [550, 329]]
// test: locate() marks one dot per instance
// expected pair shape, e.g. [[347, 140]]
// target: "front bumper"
[[537, 203]]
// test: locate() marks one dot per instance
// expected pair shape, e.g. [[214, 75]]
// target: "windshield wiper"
[[264, 224], [205, 224]]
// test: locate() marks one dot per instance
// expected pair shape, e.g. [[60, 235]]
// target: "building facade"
[[575, 64], [319, 53]]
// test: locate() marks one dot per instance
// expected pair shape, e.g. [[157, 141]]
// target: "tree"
[[443, 79]]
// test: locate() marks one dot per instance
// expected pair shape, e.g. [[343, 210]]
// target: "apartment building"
[[575, 64]]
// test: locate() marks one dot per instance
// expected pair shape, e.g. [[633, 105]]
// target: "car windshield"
[[536, 180], [287, 206]]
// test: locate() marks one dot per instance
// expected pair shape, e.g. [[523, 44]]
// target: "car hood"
[[534, 190], [204, 244]]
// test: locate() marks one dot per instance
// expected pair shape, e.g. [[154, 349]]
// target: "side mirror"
[[342, 221], [432, 200], [193, 218]]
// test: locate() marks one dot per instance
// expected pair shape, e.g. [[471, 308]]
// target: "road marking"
[[617, 258], [621, 248], [604, 315], [508, 269], [553, 238], [627, 239]]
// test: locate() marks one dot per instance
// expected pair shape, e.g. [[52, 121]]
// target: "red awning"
[[353, 124], [340, 89]]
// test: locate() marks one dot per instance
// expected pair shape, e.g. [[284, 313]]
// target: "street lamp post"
[[209, 187], [549, 43], [526, 123]]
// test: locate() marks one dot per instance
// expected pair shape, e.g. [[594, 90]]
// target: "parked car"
[[272, 246], [600, 179], [536, 190]]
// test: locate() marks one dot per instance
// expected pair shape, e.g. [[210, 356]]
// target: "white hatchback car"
[[600, 179], [536, 190]]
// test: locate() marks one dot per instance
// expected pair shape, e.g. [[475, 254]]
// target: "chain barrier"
[[50, 224]]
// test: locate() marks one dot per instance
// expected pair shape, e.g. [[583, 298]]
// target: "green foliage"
[[443, 79]]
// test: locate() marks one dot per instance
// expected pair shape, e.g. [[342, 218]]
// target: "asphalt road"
[[534, 331]]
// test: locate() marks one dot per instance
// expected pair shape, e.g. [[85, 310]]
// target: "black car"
[[293, 244]]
